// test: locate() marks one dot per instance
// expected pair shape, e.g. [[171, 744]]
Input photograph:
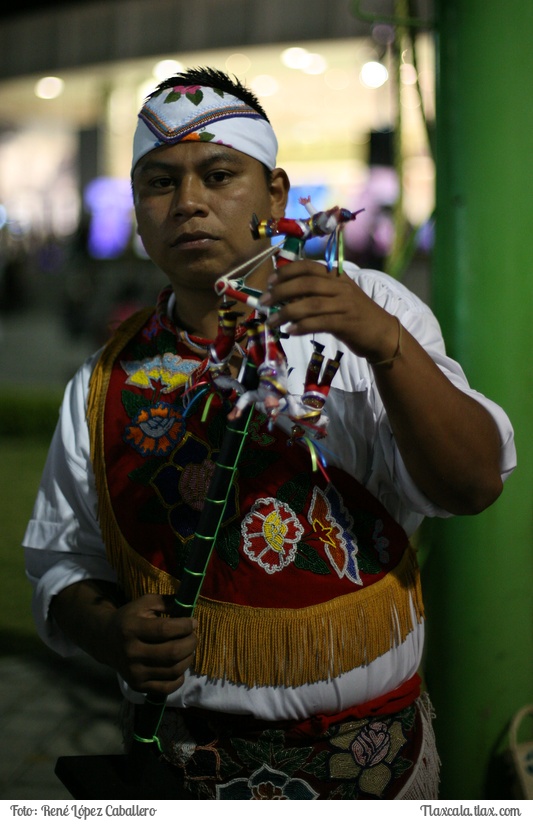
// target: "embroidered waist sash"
[[226, 757], [310, 577]]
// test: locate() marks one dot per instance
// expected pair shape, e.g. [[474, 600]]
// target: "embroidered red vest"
[[310, 576]]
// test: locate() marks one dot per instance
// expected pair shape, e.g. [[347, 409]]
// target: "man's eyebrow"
[[152, 164], [222, 156]]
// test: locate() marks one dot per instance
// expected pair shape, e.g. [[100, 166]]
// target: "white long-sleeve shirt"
[[63, 542]]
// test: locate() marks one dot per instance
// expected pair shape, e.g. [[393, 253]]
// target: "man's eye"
[[219, 177], [162, 182]]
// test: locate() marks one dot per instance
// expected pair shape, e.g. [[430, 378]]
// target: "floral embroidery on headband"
[[192, 93], [202, 137]]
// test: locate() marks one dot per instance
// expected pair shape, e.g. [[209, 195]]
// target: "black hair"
[[214, 79]]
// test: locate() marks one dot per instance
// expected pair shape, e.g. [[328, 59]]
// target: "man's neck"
[[197, 313], [196, 310]]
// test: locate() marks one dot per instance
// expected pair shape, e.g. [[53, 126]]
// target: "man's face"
[[194, 203]]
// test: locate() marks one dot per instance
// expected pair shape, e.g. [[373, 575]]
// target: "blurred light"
[[143, 91], [109, 201], [295, 57], [373, 74], [306, 132], [364, 51], [337, 79], [409, 98], [408, 74], [3, 216], [166, 68], [422, 167], [264, 85], [315, 64], [426, 81], [299, 58], [383, 34], [18, 230], [49, 87], [361, 139], [238, 63], [120, 110]]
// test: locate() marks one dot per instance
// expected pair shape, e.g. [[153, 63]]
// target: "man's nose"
[[189, 197]]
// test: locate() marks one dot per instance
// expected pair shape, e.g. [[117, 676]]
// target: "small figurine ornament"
[[271, 396], [222, 349], [297, 231], [316, 390], [263, 346]]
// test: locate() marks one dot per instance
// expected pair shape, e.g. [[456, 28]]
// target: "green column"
[[478, 573]]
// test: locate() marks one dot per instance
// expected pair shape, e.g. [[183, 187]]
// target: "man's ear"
[[279, 192]]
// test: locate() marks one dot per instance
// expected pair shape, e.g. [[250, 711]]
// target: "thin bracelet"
[[397, 352]]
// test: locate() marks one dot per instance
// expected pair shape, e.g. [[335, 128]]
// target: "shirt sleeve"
[[63, 542], [420, 321]]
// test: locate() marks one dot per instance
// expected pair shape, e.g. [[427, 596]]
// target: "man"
[[297, 676]]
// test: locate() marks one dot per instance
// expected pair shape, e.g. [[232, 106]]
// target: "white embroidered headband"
[[200, 113]]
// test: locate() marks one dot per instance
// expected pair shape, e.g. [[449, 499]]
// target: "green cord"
[[153, 740]]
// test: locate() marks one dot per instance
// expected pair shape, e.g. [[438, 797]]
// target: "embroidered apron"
[[310, 577]]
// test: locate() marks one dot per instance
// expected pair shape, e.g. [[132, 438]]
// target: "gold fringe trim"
[[291, 647], [260, 646], [132, 570]]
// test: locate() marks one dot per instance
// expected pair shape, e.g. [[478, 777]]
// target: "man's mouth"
[[193, 240]]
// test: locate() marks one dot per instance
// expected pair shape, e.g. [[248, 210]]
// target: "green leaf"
[[292, 759], [251, 752], [308, 558], [275, 738], [141, 351], [319, 766], [409, 717], [257, 433], [227, 546], [172, 97], [205, 137], [400, 765], [256, 461], [348, 791], [133, 403], [195, 98], [294, 492], [228, 766], [144, 473], [261, 438], [153, 512], [166, 342], [368, 561]]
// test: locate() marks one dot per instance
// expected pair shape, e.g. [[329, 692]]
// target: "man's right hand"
[[140, 640], [151, 650]]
